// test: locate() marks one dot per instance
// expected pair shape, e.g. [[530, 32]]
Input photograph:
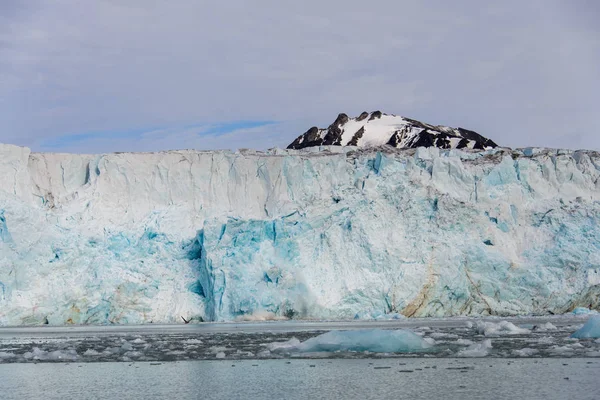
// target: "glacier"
[[322, 233]]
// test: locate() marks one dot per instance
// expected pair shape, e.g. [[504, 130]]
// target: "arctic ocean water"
[[306, 379], [523, 357]]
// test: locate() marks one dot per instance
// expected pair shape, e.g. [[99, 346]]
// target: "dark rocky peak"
[[377, 129], [375, 115], [362, 116]]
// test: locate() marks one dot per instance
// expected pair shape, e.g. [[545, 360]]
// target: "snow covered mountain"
[[333, 233], [377, 129]]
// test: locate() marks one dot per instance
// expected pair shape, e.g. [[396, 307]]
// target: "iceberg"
[[591, 329], [322, 233], [476, 349], [371, 340]]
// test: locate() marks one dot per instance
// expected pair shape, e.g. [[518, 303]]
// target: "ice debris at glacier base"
[[481, 349], [365, 340], [500, 328], [591, 329], [323, 233]]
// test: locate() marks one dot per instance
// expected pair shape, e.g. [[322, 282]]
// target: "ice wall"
[[329, 233]]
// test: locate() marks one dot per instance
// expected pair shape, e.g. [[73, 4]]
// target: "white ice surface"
[[500, 328], [481, 349], [331, 234]]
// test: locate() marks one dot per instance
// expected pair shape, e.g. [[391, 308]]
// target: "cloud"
[[520, 73]]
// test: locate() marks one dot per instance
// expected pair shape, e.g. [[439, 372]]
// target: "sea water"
[[527, 357]]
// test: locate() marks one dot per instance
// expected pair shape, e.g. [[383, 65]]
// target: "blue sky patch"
[[217, 129]]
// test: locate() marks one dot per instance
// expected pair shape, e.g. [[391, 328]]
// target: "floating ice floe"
[[544, 327], [477, 349], [500, 328], [563, 351], [443, 335], [591, 329], [526, 352], [58, 355], [6, 355], [372, 340], [192, 341], [464, 342], [293, 343]]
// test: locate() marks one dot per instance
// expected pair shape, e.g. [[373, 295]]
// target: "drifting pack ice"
[[320, 233]]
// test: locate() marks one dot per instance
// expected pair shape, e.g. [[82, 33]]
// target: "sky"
[[148, 75]]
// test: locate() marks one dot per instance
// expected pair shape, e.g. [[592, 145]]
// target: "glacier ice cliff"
[[333, 232]]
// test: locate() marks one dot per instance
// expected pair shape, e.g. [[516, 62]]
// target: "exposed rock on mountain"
[[376, 129]]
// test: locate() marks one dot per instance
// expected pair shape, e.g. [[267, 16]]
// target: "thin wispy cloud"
[[520, 73], [229, 135]]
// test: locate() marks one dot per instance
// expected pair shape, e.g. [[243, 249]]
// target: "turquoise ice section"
[[329, 233]]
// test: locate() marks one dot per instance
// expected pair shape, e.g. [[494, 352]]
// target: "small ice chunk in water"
[[264, 354], [5, 355], [562, 350], [127, 346], [372, 340], [220, 355], [526, 352], [546, 340], [544, 327], [502, 327], [193, 341], [442, 335], [591, 329], [464, 342], [477, 349], [38, 354], [281, 346]]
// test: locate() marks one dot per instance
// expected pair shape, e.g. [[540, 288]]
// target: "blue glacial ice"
[[333, 233], [583, 311], [591, 329], [371, 340]]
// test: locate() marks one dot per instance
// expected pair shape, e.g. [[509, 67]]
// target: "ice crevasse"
[[333, 232]]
